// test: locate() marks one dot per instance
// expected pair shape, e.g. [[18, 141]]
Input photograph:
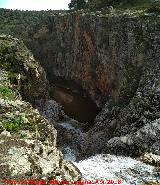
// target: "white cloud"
[[37, 4]]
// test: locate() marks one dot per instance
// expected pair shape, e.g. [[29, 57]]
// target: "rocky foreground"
[[27, 140]]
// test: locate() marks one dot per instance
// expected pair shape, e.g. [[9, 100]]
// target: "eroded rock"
[[27, 139]]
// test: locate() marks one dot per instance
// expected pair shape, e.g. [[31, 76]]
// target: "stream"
[[100, 168], [112, 169]]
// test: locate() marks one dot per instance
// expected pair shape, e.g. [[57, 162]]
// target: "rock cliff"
[[103, 53], [114, 58], [27, 140]]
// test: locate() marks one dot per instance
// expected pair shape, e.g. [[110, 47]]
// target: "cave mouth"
[[76, 103]]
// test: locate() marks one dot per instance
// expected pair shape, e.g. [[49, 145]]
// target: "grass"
[[6, 93]]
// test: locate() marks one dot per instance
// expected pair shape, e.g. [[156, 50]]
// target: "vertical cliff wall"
[[113, 57], [103, 53]]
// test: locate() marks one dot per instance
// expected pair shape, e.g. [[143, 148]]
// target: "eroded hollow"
[[76, 103]]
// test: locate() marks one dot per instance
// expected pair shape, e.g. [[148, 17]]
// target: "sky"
[[35, 4]]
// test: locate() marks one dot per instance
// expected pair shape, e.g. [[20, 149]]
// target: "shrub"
[[6, 93], [13, 124], [77, 4], [99, 4], [154, 8]]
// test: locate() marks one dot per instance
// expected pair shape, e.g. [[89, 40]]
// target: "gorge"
[[105, 66]]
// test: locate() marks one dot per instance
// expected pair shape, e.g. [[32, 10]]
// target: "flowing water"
[[102, 168], [117, 169], [112, 169]]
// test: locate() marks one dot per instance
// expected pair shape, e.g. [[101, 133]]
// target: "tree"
[[99, 4], [77, 4]]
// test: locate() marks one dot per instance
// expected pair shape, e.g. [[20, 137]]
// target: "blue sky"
[[34, 4]]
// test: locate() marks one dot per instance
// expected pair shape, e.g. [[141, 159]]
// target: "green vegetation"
[[6, 93], [13, 124], [16, 69], [154, 8], [77, 4], [23, 135], [21, 24], [16, 123], [122, 4]]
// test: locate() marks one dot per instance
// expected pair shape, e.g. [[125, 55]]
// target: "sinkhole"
[[76, 105]]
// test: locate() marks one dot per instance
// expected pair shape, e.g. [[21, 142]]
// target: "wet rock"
[[72, 135]]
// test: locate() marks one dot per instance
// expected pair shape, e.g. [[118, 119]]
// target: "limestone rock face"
[[51, 110], [115, 58], [27, 140], [24, 71], [103, 53], [145, 139], [28, 158], [139, 118]]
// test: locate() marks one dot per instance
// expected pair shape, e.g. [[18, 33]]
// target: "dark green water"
[[75, 105]]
